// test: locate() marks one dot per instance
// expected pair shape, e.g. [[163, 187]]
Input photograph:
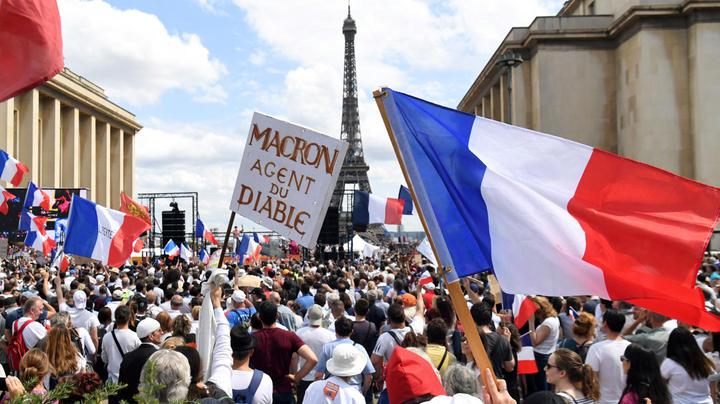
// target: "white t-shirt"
[[87, 343], [683, 388], [241, 380], [549, 344], [33, 333], [81, 318], [604, 358], [128, 341], [315, 338], [333, 390]]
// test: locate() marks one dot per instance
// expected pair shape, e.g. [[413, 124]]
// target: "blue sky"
[[193, 71]]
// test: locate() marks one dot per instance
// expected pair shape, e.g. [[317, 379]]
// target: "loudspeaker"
[[330, 230], [173, 227]]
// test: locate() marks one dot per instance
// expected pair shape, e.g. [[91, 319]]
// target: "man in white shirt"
[[79, 316], [604, 357], [118, 342], [315, 337], [33, 331]]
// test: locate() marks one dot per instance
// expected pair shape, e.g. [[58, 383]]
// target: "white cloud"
[[132, 55]]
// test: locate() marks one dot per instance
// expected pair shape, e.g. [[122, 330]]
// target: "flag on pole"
[[171, 249], [204, 257], [425, 278], [100, 233], [11, 170], [5, 197], [59, 260], [592, 222], [369, 209], [425, 249], [34, 197], [404, 194], [522, 307], [40, 241], [185, 253], [248, 250], [133, 208], [30, 45], [526, 357], [202, 232]]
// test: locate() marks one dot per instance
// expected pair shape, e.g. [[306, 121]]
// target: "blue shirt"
[[238, 316], [306, 301], [326, 354]]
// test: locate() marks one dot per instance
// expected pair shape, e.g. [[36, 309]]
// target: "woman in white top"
[[687, 369], [544, 339]]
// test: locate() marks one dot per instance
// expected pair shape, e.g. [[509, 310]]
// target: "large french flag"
[[11, 170], [100, 233], [591, 222], [368, 209]]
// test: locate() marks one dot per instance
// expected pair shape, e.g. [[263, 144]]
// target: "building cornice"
[[77, 88], [570, 28]]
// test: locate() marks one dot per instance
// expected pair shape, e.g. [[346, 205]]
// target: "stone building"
[[70, 135], [640, 78]]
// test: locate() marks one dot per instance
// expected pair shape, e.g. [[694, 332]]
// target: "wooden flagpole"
[[227, 238], [457, 298]]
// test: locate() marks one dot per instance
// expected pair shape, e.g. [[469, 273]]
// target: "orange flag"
[[132, 208]]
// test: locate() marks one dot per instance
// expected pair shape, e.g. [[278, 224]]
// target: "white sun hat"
[[346, 361]]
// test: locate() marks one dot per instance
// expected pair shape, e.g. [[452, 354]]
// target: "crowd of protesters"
[[323, 332]]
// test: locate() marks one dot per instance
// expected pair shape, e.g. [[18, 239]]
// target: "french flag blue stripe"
[[361, 208], [433, 136], [84, 223]]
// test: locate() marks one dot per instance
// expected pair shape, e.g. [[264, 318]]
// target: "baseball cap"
[[315, 315], [117, 294], [238, 296], [80, 299]]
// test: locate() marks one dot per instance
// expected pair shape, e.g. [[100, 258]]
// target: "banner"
[[287, 177]]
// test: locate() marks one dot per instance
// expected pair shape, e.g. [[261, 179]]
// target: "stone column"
[[7, 125], [128, 164], [116, 166], [495, 103], [51, 143], [102, 177], [87, 154], [486, 106], [28, 137], [504, 102], [70, 148]]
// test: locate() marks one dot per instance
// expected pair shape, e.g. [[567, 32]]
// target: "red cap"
[[409, 375]]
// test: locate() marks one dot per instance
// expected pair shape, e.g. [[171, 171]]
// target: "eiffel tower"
[[353, 174]]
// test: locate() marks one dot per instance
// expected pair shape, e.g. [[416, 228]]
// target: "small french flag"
[[368, 209], [40, 242], [5, 196], [171, 249], [526, 357], [202, 232], [185, 253], [425, 278], [521, 306], [34, 197], [11, 170], [405, 195], [204, 257]]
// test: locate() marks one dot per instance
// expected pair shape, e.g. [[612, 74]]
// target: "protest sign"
[[286, 178]]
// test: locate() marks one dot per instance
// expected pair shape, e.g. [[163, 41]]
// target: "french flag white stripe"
[[109, 222], [376, 208], [521, 177], [10, 169]]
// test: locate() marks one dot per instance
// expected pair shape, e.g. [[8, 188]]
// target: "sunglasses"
[[623, 358], [548, 366]]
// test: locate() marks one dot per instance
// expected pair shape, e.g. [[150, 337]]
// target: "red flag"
[[132, 208], [30, 45], [138, 245]]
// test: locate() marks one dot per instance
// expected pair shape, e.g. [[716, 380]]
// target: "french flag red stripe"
[[394, 210]]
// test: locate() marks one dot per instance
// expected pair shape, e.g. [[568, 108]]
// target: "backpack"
[[16, 347]]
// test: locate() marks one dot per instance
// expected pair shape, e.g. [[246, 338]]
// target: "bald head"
[[275, 297], [176, 302], [151, 297]]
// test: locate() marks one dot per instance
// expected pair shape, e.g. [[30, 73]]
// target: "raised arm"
[[221, 370]]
